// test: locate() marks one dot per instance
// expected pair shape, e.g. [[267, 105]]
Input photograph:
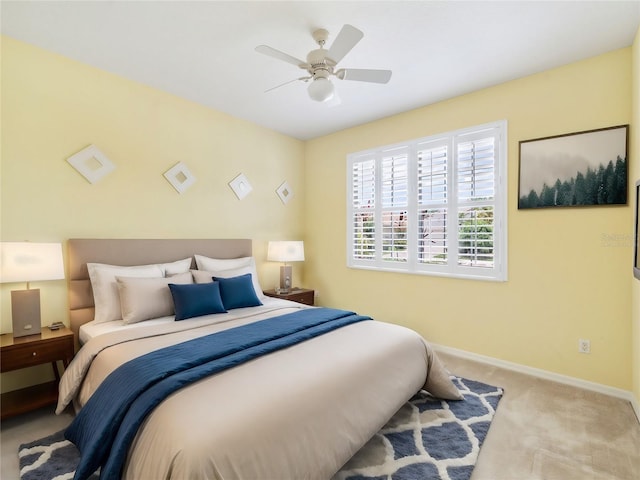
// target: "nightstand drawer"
[[300, 295], [35, 353], [304, 297]]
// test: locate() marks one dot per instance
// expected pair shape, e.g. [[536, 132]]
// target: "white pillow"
[[145, 298], [202, 276], [215, 264], [227, 268], [174, 268], [105, 292]]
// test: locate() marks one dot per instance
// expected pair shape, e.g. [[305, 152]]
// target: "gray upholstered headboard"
[[128, 252]]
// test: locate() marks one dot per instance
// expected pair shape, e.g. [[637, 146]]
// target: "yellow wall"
[[565, 280], [635, 175], [53, 107]]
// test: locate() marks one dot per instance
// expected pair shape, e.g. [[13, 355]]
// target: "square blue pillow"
[[238, 292], [196, 299]]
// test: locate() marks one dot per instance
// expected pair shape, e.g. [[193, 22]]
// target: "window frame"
[[451, 268]]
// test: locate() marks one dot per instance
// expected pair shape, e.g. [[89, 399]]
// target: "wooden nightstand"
[[15, 353], [300, 295]]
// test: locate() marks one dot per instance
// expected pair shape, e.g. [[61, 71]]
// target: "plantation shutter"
[[363, 200], [476, 184], [432, 192], [435, 205], [394, 198]]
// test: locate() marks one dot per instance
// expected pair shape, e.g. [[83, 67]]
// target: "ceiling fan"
[[321, 63]]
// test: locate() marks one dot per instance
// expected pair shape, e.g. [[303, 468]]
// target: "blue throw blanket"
[[105, 427]]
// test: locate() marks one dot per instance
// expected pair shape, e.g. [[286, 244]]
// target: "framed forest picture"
[[576, 169]]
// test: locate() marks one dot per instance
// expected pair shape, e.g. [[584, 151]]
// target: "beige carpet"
[[549, 431], [542, 431]]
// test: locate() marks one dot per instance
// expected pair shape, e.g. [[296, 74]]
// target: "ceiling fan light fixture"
[[321, 64], [321, 89]]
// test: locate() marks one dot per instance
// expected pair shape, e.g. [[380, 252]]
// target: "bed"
[[298, 412]]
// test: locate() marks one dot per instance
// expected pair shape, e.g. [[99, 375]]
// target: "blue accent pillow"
[[238, 292], [196, 299]]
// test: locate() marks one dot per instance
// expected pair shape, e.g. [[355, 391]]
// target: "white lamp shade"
[[30, 262], [321, 89], [289, 251]]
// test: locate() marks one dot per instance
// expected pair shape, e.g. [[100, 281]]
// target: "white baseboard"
[[537, 372]]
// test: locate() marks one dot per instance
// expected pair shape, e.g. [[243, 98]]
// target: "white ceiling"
[[204, 50]]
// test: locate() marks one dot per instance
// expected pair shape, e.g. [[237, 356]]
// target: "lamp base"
[[25, 312], [285, 279]]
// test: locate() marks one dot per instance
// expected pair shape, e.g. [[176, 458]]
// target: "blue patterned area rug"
[[428, 439], [50, 458]]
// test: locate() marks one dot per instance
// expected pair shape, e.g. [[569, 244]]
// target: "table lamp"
[[28, 262], [289, 251]]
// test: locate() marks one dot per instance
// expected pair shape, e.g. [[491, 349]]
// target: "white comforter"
[[297, 413]]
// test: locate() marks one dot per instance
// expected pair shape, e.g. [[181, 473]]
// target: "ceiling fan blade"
[[364, 75], [272, 52], [348, 37], [287, 83]]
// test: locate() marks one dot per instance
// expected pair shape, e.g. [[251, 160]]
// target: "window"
[[435, 205]]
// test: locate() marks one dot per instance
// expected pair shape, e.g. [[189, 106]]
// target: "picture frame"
[[284, 192], [180, 177], [91, 163], [588, 168], [636, 232], [241, 186]]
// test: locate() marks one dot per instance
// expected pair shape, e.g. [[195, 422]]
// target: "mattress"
[[300, 412], [93, 329]]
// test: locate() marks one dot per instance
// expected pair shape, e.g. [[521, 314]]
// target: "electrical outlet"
[[584, 346]]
